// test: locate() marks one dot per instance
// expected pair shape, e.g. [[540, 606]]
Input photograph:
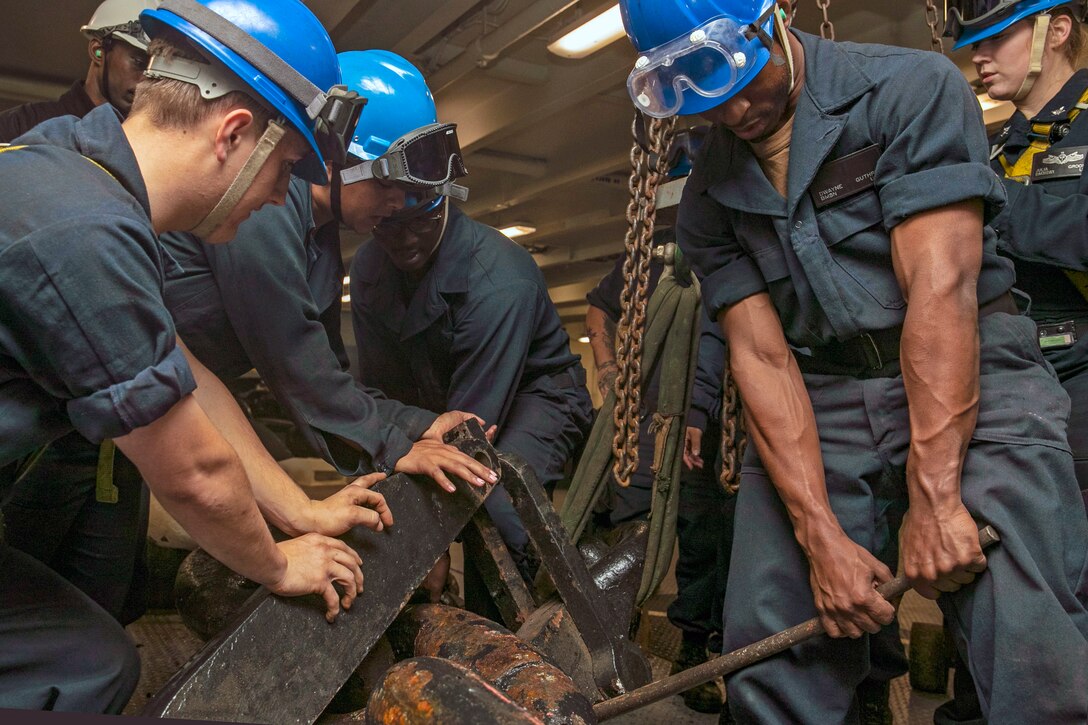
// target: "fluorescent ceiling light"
[[590, 35], [517, 230], [583, 338]]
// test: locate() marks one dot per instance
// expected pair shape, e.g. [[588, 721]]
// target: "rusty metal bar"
[[274, 664], [509, 663], [745, 656], [430, 690], [499, 575]]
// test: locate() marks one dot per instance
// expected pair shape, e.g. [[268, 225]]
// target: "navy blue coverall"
[[93, 538], [829, 274], [479, 334], [1044, 230], [86, 343], [14, 122], [270, 300]]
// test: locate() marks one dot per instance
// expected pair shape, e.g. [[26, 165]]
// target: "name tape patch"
[[843, 178], [1067, 163]]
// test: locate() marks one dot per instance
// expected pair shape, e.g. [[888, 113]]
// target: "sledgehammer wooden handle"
[[741, 658]]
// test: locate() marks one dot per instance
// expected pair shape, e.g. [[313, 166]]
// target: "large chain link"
[[734, 438], [827, 30], [931, 20], [641, 213]]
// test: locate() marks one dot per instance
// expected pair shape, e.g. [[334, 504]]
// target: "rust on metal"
[[430, 690], [487, 554], [498, 656]]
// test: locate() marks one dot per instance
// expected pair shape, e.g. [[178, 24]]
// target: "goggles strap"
[[445, 223], [238, 188], [359, 172], [337, 186], [1035, 63], [458, 192]]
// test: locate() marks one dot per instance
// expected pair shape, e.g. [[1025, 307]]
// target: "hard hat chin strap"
[[267, 143], [1035, 63], [780, 29]]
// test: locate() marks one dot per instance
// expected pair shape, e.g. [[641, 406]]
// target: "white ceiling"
[[546, 138]]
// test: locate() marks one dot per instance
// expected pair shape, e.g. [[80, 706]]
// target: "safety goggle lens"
[[709, 70], [434, 158]]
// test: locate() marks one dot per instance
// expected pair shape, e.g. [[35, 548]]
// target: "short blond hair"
[[177, 104], [1078, 38]]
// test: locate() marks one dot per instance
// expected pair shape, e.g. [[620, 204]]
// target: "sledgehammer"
[[741, 658]]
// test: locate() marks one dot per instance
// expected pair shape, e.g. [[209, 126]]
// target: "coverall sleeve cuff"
[[1013, 190], [130, 404], [417, 422], [697, 418], [731, 284], [387, 462], [914, 193]]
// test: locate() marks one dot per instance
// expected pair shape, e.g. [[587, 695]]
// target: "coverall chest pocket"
[[760, 238], [854, 234]]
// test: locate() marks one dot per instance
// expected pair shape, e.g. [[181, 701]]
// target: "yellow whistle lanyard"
[[1020, 171]]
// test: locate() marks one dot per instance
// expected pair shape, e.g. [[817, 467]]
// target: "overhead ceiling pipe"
[[483, 53]]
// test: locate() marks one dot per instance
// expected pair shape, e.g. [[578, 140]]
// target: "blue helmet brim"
[[311, 167]]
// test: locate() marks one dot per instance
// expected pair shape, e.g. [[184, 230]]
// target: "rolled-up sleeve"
[[934, 140], [91, 325], [705, 235]]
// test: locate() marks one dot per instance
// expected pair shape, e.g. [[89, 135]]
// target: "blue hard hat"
[[653, 23], [398, 100], [1004, 14], [288, 29]]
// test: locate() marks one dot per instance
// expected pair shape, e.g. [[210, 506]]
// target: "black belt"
[[876, 354], [569, 378]]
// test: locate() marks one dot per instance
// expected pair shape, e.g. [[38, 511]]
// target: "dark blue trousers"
[[1024, 621], [546, 426], [58, 649], [99, 546], [1071, 365]]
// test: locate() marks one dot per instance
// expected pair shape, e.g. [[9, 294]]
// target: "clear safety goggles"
[[708, 61], [429, 156]]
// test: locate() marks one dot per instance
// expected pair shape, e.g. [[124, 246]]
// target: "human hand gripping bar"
[[745, 656]]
